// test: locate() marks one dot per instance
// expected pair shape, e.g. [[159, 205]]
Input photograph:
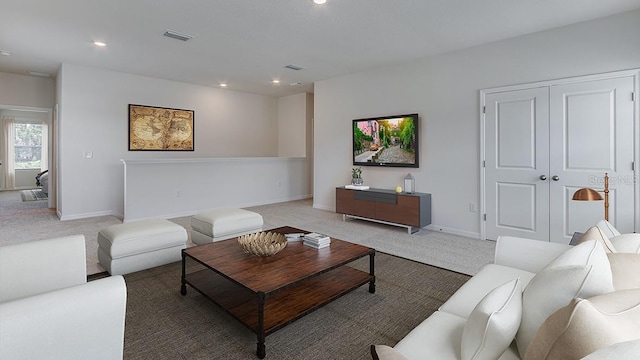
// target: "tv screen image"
[[386, 141]]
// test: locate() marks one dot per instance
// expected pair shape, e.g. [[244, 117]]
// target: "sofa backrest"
[[526, 254], [37, 267]]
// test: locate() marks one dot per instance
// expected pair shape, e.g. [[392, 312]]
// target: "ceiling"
[[248, 43]]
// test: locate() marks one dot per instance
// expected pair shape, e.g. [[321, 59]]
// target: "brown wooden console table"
[[267, 293], [412, 211]]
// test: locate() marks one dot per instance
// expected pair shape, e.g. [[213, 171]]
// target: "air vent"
[[294, 67], [39, 74], [176, 35]]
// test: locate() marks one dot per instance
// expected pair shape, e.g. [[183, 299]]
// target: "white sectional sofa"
[[466, 326], [48, 310]]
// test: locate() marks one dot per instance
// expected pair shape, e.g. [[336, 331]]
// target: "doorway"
[[542, 142], [26, 148]]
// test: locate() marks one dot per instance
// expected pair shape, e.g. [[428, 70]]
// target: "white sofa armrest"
[[79, 322], [37, 267], [526, 254]]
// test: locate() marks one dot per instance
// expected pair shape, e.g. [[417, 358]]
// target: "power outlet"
[[473, 207]]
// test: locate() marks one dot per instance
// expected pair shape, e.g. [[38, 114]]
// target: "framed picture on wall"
[[153, 128]]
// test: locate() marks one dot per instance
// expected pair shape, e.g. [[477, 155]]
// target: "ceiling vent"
[[39, 74], [176, 35], [294, 67]]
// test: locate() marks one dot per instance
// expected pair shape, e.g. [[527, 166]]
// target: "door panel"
[[591, 133], [517, 154]]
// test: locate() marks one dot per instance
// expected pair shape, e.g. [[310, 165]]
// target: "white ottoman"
[[130, 247], [223, 224]]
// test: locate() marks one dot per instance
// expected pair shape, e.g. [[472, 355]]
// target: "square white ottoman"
[[223, 224], [135, 246]]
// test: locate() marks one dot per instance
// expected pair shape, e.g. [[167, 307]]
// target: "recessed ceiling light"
[[276, 81], [99, 43], [223, 84], [5, 53], [319, 2]]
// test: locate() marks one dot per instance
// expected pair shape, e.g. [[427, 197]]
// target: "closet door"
[[517, 164], [591, 132]]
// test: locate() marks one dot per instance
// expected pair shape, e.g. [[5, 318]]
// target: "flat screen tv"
[[386, 141]]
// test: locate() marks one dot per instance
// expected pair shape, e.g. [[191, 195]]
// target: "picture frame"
[[153, 128]]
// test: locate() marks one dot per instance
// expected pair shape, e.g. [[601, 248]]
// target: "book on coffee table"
[[316, 240]]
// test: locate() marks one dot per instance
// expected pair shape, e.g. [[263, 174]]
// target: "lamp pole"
[[606, 196]]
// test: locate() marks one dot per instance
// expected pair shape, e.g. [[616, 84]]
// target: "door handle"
[[555, 177], [543, 177]]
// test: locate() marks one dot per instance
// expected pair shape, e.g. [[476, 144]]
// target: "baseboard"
[[323, 207], [469, 234], [84, 216]]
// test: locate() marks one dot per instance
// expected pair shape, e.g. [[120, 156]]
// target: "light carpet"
[[32, 221]]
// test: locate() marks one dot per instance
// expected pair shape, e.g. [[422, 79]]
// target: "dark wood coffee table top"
[[267, 293], [294, 263]]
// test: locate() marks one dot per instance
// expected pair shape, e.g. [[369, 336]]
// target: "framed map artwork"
[[160, 129]]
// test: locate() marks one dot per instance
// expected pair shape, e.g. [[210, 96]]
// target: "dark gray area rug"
[[162, 324]]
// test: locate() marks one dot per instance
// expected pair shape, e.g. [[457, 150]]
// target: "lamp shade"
[[586, 194]]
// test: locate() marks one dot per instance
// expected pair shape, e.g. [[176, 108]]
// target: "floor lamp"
[[588, 194]]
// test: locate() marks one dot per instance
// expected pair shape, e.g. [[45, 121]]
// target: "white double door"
[[542, 144]]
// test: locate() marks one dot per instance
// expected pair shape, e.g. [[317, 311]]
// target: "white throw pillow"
[[493, 323], [607, 228], [627, 243], [582, 271], [595, 233]]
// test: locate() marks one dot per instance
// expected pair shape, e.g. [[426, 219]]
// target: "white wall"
[[444, 90], [93, 117], [292, 121], [26, 91], [206, 184]]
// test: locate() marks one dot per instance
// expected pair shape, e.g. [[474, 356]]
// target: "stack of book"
[[316, 240]]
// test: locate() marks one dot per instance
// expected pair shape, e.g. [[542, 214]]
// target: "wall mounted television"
[[391, 141]]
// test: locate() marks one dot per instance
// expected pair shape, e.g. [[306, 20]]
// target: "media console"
[[412, 211]]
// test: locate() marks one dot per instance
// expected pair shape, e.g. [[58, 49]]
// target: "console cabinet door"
[[344, 201]]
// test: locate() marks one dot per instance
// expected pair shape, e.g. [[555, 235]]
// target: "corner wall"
[[444, 90]]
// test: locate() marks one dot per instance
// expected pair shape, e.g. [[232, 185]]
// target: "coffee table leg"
[[183, 287], [262, 349], [372, 283]]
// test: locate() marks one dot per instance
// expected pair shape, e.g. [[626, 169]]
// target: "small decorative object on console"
[[398, 189], [356, 176], [262, 243], [409, 184]]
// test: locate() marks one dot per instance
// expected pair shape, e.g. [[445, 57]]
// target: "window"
[[28, 146]]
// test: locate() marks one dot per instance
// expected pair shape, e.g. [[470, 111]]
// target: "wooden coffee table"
[[267, 293]]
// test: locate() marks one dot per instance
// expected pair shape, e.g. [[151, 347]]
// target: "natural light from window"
[[28, 146]]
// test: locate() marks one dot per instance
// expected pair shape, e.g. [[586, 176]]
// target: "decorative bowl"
[[262, 243]]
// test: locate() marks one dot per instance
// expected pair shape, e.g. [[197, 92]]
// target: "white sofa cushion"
[[79, 322], [36, 267], [493, 323], [439, 336], [526, 254], [627, 350], [582, 271], [384, 352], [488, 278], [586, 325]]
